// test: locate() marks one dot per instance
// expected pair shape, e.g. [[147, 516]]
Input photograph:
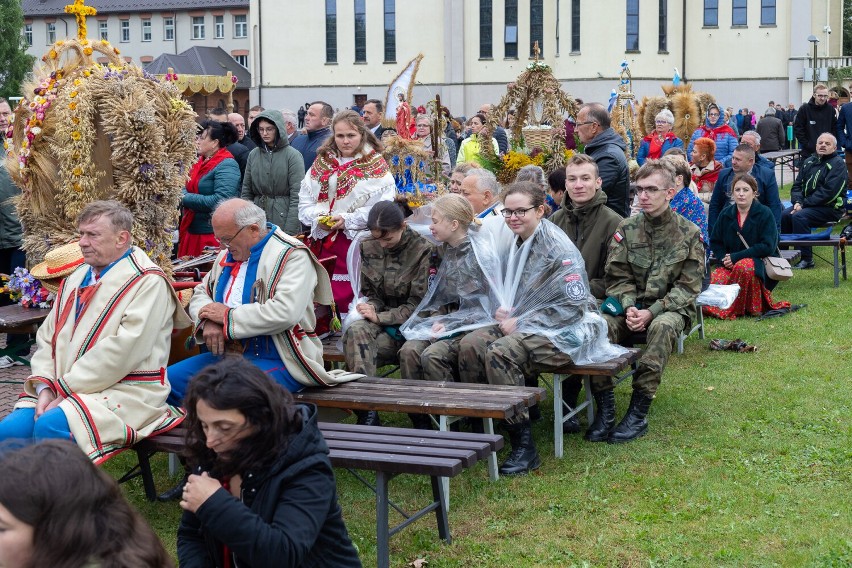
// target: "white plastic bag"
[[720, 296]]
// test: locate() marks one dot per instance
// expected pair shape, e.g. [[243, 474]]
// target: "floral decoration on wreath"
[[85, 132], [539, 132], [27, 290]]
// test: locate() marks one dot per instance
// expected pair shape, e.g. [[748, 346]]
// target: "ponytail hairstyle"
[[386, 217], [454, 207]]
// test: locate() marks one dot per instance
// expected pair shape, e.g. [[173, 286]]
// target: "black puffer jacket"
[[289, 515], [607, 149]]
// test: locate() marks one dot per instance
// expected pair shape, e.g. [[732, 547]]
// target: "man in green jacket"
[[589, 223], [653, 275], [274, 172]]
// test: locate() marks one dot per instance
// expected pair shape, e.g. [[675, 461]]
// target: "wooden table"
[[785, 158], [19, 320]]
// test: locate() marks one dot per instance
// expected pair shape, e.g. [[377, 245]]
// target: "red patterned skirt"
[[341, 286], [192, 244], [753, 299]]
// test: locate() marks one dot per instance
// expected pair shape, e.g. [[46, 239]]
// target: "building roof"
[[57, 7], [201, 61]]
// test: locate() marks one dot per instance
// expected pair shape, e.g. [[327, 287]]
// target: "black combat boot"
[[570, 392], [368, 418], [421, 421], [600, 429], [634, 424], [524, 457]]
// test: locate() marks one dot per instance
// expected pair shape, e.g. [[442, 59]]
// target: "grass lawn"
[[747, 462]]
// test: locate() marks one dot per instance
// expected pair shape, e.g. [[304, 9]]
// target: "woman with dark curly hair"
[[263, 491], [58, 509]]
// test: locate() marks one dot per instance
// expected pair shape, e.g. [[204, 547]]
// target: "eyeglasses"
[[579, 124], [266, 129], [227, 242], [716, 114], [519, 213], [649, 191], [661, 122]]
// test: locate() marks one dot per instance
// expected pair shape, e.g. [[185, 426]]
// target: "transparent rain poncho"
[[541, 282], [457, 300]]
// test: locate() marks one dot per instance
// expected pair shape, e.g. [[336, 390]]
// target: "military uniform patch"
[[618, 237], [575, 290]]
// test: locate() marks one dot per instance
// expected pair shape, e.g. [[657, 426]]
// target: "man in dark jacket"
[[589, 224], [814, 117], [606, 147], [752, 138], [771, 131], [499, 132], [742, 162], [817, 194], [239, 123], [317, 128], [844, 135]]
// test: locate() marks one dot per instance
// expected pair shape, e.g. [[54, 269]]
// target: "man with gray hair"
[[752, 138], [258, 301], [771, 131], [290, 122], [607, 148], [98, 373], [239, 123], [481, 188]]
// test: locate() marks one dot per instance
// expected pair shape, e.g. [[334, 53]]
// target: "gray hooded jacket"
[[273, 175]]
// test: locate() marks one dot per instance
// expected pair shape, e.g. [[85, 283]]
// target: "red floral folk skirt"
[[753, 299]]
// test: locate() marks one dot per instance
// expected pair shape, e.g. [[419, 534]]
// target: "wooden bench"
[[445, 399], [838, 252], [619, 368], [386, 451], [20, 320]]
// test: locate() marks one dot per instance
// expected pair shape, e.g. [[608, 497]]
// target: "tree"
[[15, 63], [847, 28]]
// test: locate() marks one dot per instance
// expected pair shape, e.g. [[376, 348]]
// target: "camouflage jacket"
[[656, 264], [395, 280]]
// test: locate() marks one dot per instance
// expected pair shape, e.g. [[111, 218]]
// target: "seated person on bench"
[[817, 194], [653, 273], [544, 318], [258, 301], [588, 222], [98, 373], [395, 266], [262, 491]]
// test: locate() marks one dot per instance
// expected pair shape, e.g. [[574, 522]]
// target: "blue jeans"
[[22, 425], [180, 373]]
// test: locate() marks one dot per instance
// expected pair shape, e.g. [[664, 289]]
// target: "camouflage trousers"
[[661, 337], [430, 360], [367, 346], [488, 356]]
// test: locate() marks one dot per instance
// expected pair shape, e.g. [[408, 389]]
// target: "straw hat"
[[58, 263]]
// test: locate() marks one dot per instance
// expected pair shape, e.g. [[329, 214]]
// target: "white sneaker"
[[6, 362]]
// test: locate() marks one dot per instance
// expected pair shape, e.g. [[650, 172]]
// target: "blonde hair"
[[454, 207]]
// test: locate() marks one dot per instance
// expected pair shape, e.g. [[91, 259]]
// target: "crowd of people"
[[498, 284]]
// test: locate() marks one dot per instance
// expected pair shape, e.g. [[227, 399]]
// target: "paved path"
[[11, 384]]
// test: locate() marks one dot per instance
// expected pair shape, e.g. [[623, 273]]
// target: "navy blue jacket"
[[767, 189], [307, 144], [844, 123]]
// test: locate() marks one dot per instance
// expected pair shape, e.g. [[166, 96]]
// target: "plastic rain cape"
[[541, 281]]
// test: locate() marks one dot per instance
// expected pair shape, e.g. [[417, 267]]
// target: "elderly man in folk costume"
[[258, 301], [99, 370]]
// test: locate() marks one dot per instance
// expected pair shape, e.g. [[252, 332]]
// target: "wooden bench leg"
[[382, 520], [837, 267], [440, 511], [444, 426]]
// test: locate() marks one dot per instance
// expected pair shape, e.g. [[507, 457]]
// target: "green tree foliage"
[[847, 28], [15, 64]]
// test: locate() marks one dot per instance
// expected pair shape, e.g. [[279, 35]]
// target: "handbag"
[[776, 267]]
